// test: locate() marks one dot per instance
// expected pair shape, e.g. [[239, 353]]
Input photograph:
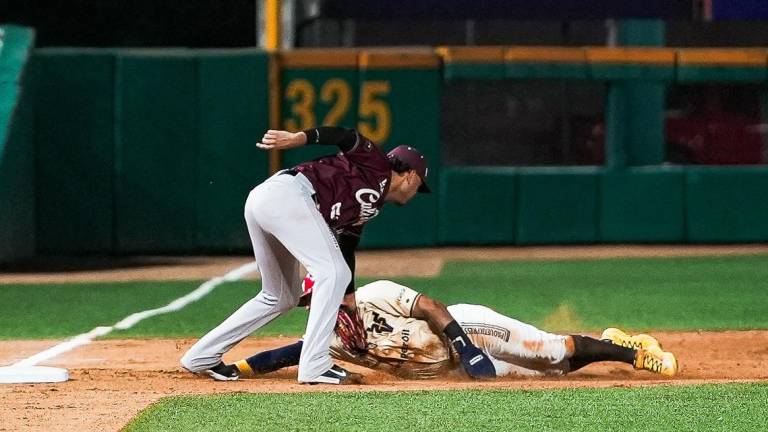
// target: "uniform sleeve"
[[344, 139], [357, 148], [389, 297]]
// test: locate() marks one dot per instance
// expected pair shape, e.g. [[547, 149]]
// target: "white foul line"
[[132, 319]]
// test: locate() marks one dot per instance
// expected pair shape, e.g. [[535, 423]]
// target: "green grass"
[[61, 310], [724, 407], [664, 293], [669, 293]]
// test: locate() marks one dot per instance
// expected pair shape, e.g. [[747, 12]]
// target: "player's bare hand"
[[281, 140], [350, 301]]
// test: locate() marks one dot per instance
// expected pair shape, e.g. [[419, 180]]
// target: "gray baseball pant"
[[286, 229]]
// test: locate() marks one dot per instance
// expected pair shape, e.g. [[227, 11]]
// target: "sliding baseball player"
[[405, 336]]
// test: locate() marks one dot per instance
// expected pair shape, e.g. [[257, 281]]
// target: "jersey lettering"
[[367, 198], [335, 211], [404, 348], [482, 329]]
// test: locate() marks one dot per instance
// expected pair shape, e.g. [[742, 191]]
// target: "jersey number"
[[379, 325]]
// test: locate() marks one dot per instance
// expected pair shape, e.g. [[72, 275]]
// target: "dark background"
[[141, 23], [232, 23], [519, 123]]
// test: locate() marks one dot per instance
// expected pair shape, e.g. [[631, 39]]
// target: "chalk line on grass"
[[133, 319]]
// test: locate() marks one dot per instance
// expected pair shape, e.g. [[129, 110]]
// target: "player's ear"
[[404, 177]]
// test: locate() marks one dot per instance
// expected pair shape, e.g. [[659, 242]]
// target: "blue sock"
[[272, 360]]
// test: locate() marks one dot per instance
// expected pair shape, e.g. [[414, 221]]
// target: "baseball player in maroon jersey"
[[313, 214]]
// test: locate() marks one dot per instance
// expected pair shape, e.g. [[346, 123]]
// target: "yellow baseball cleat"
[[655, 360], [618, 337]]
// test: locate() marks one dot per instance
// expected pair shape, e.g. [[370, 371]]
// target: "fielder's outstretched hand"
[[281, 140]]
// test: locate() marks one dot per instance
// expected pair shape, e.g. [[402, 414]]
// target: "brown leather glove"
[[351, 331]]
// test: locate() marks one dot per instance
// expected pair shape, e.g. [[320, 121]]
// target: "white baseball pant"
[[515, 348], [286, 229]]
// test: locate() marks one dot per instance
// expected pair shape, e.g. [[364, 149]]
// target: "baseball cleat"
[[338, 375], [655, 360], [244, 369], [223, 372], [618, 337]]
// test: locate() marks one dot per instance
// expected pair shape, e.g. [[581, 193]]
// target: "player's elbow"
[[432, 306], [433, 311]]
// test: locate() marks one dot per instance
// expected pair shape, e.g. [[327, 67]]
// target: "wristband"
[[457, 336], [313, 136]]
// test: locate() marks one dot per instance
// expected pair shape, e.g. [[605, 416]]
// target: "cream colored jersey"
[[405, 346], [392, 332]]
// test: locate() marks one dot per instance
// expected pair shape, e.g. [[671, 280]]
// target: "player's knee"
[[343, 274], [336, 275], [287, 304], [267, 299]]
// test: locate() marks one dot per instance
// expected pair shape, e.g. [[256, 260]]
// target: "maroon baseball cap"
[[413, 159]]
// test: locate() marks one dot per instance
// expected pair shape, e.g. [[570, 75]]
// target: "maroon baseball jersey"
[[351, 185]]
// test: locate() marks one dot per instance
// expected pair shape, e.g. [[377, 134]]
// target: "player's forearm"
[[343, 138], [348, 244], [474, 361], [433, 312], [350, 301]]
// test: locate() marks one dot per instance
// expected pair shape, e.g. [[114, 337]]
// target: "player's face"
[[404, 187], [410, 187]]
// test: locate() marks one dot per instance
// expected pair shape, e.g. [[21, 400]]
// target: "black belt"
[[292, 172]]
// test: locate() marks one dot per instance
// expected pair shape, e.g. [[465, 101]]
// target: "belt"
[[293, 172]]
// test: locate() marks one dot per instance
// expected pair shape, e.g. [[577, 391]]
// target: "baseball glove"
[[351, 331]]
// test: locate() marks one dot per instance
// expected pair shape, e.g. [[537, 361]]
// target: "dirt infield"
[[113, 380]]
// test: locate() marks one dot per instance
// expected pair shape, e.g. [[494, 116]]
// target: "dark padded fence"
[[147, 151], [151, 151]]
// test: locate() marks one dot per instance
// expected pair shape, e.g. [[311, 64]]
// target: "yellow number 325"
[[375, 115]]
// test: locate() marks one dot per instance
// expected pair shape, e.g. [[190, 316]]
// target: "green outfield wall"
[[408, 85], [74, 135], [586, 205], [318, 87], [152, 151], [17, 169], [147, 151]]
